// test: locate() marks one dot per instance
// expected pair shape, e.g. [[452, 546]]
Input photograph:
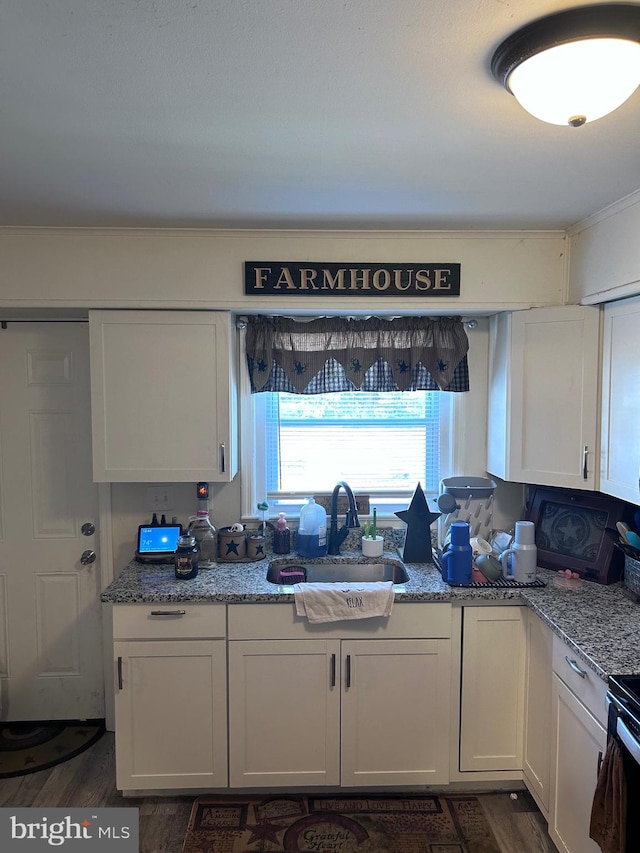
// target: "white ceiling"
[[288, 113]]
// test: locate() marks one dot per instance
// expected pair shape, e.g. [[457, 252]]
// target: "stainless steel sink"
[[342, 572]]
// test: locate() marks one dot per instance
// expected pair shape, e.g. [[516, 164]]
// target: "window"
[[382, 444], [456, 446]]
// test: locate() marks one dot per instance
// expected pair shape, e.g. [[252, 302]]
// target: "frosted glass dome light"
[[573, 67]]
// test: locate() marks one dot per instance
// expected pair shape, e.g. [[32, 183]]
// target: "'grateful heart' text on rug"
[[326, 824]]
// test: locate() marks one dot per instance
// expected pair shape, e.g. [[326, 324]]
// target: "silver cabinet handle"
[[585, 470], [333, 670], [168, 613], [347, 680], [120, 684], [223, 462], [574, 666]]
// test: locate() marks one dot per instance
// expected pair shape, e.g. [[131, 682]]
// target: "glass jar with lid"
[[186, 557]]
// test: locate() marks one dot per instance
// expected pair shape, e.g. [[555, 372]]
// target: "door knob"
[[88, 528], [87, 557]]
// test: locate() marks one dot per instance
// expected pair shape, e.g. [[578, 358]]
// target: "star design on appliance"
[[259, 549], [264, 831], [569, 530], [418, 518], [232, 548]]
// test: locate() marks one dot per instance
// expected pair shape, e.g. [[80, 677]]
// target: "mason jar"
[[186, 558]]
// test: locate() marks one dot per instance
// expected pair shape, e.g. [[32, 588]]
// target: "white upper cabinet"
[[163, 396], [543, 396], [620, 459]]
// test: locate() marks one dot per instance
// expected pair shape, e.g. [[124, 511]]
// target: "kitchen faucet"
[[337, 537]]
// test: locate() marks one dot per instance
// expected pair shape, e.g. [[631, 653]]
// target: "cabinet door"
[[578, 743], [284, 712], [395, 712], [543, 394], [162, 396], [492, 700], [620, 458], [171, 714], [537, 720]]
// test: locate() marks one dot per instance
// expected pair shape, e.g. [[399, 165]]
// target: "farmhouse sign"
[[287, 278]]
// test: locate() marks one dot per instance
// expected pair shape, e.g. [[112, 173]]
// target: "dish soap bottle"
[[312, 532], [281, 536], [202, 529]]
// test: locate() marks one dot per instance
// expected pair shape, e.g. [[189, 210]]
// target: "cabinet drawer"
[[579, 678], [168, 621], [280, 622]]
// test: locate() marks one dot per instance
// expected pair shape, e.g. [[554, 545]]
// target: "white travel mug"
[[520, 562]]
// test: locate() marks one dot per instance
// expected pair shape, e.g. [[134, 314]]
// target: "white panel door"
[[284, 713], [578, 744], [543, 396], [171, 714], [492, 701], [50, 616], [620, 461], [395, 712], [537, 720]]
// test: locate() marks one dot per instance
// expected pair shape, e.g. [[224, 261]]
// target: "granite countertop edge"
[[600, 623]]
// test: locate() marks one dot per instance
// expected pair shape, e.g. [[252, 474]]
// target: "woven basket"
[[632, 574]]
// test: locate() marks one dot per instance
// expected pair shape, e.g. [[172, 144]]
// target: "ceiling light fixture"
[[575, 66]]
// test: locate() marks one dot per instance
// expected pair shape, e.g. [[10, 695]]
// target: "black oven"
[[623, 732]]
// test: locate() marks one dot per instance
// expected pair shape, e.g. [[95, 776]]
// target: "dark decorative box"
[[577, 530]]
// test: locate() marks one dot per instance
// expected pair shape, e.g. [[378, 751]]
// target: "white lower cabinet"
[[537, 717], [578, 743], [308, 709], [284, 712], [492, 698], [170, 697]]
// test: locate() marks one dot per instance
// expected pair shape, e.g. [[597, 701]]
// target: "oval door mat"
[[29, 747]]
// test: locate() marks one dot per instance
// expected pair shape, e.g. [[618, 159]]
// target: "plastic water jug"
[[311, 540], [457, 560]]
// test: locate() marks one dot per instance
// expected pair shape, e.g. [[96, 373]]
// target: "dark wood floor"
[[89, 780]]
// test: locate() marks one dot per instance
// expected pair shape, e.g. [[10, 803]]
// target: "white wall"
[[605, 254], [71, 270], [76, 268]]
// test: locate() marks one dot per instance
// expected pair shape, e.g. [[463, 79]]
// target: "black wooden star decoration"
[[418, 518]]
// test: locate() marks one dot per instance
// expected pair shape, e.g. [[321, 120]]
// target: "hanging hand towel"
[[332, 602], [609, 809]]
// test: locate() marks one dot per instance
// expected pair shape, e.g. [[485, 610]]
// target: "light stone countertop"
[[601, 623]]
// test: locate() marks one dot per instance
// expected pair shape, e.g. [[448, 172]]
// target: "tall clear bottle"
[[201, 527]]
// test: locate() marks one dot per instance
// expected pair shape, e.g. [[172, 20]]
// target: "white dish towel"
[[332, 602]]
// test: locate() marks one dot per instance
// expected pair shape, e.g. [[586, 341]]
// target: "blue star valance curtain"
[[349, 354]]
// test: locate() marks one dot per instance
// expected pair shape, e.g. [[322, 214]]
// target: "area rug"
[[29, 747], [325, 824]]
